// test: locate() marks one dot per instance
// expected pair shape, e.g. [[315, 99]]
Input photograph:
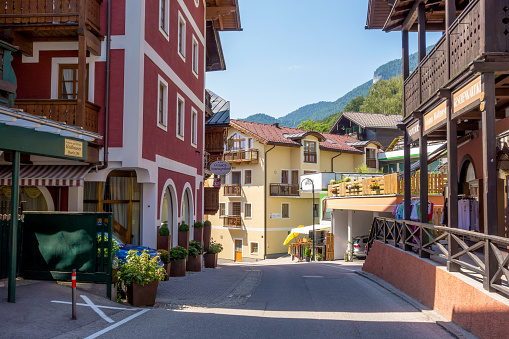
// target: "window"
[[250, 143], [284, 176], [247, 177], [236, 177], [194, 128], [310, 151], [68, 82], [162, 104], [222, 209], [254, 248], [295, 177], [371, 157], [196, 56], [223, 179], [180, 117], [247, 210], [182, 37], [164, 12], [285, 210], [315, 210], [236, 208], [327, 214]]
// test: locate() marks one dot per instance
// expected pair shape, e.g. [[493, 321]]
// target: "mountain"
[[323, 109]]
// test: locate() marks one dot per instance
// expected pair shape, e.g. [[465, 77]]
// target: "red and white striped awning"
[[46, 175]]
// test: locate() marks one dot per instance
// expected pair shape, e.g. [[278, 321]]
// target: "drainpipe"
[[107, 92], [332, 161], [265, 207]]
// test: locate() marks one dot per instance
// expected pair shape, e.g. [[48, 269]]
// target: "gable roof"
[[288, 136], [370, 120], [220, 109]]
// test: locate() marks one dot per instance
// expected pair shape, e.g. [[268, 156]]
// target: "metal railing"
[[475, 251], [284, 190]]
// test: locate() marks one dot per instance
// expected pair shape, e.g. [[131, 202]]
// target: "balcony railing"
[[232, 221], [467, 43], [284, 190], [371, 163], [65, 111], [233, 190], [211, 200], [244, 155], [388, 184], [50, 12], [310, 157]]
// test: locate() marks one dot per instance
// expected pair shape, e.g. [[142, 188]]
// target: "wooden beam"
[[216, 12], [25, 45], [452, 197], [488, 67], [93, 43], [421, 17], [412, 15], [502, 92], [423, 182]]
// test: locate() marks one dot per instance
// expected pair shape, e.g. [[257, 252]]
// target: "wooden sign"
[[413, 131], [73, 148], [467, 94], [435, 117]]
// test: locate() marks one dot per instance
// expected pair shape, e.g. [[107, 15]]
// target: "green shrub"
[[307, 252], [184, 227], [207, 223], [164, 230], [104, 239], [165, 256], [197, 245], [193, 251], [140, 269], [215, 247], [198, 224], [178, 253]]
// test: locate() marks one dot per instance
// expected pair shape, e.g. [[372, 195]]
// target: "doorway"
[[238, 250]]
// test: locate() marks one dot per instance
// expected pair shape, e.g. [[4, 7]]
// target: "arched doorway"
[[169, 213], [31, 198], [467, 174], [187, 207]]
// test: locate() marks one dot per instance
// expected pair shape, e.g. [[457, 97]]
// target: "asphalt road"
[[306, 300]]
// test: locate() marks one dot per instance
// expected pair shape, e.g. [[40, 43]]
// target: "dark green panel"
[[29, 141]]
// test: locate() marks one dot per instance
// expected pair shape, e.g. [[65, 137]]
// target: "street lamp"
[[308, 180]]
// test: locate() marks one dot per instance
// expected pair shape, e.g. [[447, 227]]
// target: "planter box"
[[194, 263], [145, 295], [178, 268], [207, 231], [308, 259], [163, 242], [198, 234], [167, 268], [210, 260], [184, 239]]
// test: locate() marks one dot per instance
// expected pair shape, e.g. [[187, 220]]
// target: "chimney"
[[276, 124]]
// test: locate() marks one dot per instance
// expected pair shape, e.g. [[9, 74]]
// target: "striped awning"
[[46, 175]]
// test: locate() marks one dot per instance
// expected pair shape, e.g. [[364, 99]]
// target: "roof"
[[378, 11], [364, 143], [371, 120], [280, 135], [220, 109]]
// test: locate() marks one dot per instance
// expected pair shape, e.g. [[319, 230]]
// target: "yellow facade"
[[252, 233]]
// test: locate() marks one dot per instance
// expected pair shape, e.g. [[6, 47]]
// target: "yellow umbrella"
[[292, 236]]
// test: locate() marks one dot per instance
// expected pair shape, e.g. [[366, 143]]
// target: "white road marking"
[[96, 309], [312, 276], [337, 266], [109, 328], [106, 307]]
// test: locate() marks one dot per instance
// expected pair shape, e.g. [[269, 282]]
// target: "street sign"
[[220, 167]]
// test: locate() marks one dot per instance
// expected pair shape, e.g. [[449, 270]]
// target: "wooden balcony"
[[284, 190], [211, 200], [310, 157], [232, 221], [240, 156], [234, 190], [64, 111], [472, 37], [25, 21]]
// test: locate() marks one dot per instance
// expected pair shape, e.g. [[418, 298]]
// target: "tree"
[[355, 104], [317, 126], [386, 96]]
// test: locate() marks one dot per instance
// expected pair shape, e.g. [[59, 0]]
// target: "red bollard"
[[73, 294]]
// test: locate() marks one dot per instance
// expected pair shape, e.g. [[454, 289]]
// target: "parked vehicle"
[[359, 245]]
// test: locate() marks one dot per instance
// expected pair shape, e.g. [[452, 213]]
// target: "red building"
[[134, 73]]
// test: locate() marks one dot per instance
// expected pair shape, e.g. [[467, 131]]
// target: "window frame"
[[182, 114], [250, 210], [164, 124], [222, 207], [195, 57], [287, 176], [165, 31], [305, 146], [181, 36], [75, 85], [257, 248], [250, 177], [287, 210], [194, 127]]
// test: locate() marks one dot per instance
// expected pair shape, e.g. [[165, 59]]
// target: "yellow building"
[[261, 198]]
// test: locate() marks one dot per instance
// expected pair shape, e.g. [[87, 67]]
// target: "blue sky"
[[297, 52]]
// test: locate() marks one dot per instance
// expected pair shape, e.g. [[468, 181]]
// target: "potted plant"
[[319, 256], [207, 232], [163, 237], [198, 231], [114, 259], [356, 187], [195, 258], [184, 235], [165, 258], [178, 256], [375, 187], [307, 254], [141, 274], [211, 255]]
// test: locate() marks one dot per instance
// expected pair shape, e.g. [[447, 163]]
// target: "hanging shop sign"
[[466, 95], [435, 117], [220, 167], [413, 132], [217, 182], [73, 148]]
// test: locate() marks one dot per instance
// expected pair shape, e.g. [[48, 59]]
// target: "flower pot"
[[198, 234], [378, 191], [138, 295], [184, 239], [210, 260], [167, 268], [207, 231], [194, 263], [308, 259], [163, 242], [178, 268]]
